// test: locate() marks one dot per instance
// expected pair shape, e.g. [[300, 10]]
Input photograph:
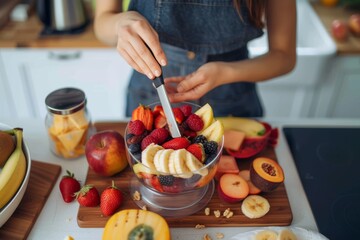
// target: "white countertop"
[[58, 219]]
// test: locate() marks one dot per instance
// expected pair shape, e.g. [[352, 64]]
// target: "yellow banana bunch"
[[13, 172]]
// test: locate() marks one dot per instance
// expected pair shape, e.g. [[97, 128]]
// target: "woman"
[[201, 47]]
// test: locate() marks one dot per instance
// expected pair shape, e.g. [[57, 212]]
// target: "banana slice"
[[195, 165], [161, 160], [266, 235], [148, 154], [177, 164], [286, 234], [255, 206]]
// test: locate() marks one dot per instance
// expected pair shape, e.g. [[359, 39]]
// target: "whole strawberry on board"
[[69, 185], [88, 196], [110, 200]]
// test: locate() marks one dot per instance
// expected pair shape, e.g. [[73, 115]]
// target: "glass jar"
[[68, 122]]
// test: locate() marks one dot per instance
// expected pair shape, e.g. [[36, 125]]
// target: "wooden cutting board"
[[279, 215], [43, 176]]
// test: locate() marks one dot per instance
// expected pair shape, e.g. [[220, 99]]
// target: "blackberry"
[[210, 147], [166, 180], [200, 139], [134, 148], [209, 158], [129, 135]]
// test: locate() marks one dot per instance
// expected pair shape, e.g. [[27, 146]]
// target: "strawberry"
[[186, 110], [147, 141], [69, 186], [176, 143], [160, 121], [88, 196], [178, 114], [143, 114], [110, 200], [189, 133], [160, 134], [194, 122], [158, 110], [197, 150], [136, 127], [154, 181]]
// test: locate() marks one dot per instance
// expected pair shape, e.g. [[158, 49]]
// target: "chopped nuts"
[[217, 213], [226, 212], [207, 237], [207, 211], [137, 196], [219, 235], [200, 226], [144, 207], [230, 214]]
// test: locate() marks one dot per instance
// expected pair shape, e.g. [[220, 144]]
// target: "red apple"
[[339, 30], [106, 153], [354, 24], [232, 188]]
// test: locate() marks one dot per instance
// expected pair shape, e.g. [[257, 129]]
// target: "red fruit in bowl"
[[69, 186], [106, 153], [136, 127], [160, 134], [197, 150], [252, 145], [145, 115], [176, 143], [195, 123]]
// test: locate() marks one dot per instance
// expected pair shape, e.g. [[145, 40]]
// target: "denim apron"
[[192, 33]]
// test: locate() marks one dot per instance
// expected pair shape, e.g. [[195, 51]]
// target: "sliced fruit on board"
[[255, 206], [136, 224], [252, 188], [227, 164], [266, 174], [232, 188], [251, 127]]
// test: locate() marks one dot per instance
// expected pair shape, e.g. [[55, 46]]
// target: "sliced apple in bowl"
[[247, 137]]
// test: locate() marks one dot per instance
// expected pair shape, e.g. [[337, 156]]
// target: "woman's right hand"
[[138, 43]]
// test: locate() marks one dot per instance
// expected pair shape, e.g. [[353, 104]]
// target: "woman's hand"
[[138, 43], [196, 84]]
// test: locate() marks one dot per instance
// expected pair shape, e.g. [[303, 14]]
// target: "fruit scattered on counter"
[[13, 172], [232, 188], [183, 157], [88, 196], [266, 174], [255, 206], [110, 200], [136, 224], [69, 134], [69, 185], [7, 146], [339, 30], [106, 153]]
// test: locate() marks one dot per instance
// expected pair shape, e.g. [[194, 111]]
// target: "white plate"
[[10, 207], [301, 233]]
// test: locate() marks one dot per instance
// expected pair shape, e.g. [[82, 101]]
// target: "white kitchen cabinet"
[[339, 93], [31, 74], [6, 102]]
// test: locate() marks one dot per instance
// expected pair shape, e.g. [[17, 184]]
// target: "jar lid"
[[65, 101]]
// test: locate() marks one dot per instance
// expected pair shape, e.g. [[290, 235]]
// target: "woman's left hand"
[[196, 84]]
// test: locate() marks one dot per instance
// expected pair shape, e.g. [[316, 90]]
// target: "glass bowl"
[[174, 194]]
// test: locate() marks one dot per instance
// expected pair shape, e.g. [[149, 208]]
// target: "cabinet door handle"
[[63, 56]]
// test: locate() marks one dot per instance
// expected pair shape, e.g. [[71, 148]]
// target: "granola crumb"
[[207, 237], [207, 211], [137, 196], [217, 213], [200, 226], [144, 208], [219, 236]]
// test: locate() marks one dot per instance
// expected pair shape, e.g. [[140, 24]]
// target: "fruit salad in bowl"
[[174, 165]]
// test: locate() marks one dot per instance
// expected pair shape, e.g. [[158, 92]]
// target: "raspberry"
[[147, 141], [200, 139], [160, 134], [166, 180], [186, 110], [210, 147], [136, 127], [194, 122]]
